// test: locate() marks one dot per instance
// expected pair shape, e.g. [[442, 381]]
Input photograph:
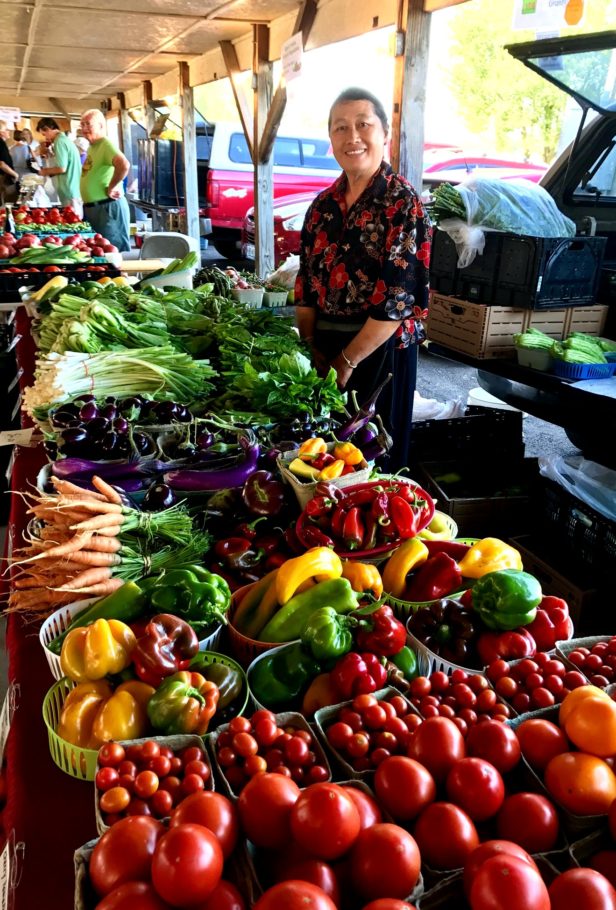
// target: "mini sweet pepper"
[[506, 599], [364, 577], [318, 562], [183, 703], [99, 650]]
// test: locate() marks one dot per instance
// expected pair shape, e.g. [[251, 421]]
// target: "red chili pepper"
[[292, 540], [404, 518], [361, 497], [386, 531], [248, 529], [267, 542], [386, 634], [370, 532], [375, 668], [337, 522], [323, 488], [319, 506], [353, 529], [321, 461], [405, 491], [231, 546], [347, 469], [315, 537], [380, 508], [275, 560]]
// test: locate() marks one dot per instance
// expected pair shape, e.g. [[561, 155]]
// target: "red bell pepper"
[[383, 634], [263, 494], [404, 517], [353, 529], [167, 645], [505, 645], [375, 668], [438, 577], [552, 623], [357, 674]]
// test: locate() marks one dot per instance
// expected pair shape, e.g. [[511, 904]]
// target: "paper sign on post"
[[17, 437], [544, 15], [10, 114], [291, 57], [5, 876]]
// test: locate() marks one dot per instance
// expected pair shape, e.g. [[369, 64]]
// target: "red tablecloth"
[[50, 812]]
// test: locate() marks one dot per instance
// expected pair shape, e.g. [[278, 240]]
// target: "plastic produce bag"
[[511, 206], [593, 483], [286, 273], [432, 409]]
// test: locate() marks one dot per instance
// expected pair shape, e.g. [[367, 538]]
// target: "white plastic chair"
[[168, 245]]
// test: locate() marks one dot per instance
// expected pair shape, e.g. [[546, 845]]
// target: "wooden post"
[[125, 129], [263, 164], [407, 133], [189, 146]]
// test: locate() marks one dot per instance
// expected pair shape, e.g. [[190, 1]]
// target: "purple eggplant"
[[98, 427], [166, 411], [109, 411], [65, 419], [89, 411], [205, 440], [363, 415], [196, 481], [364, 436], [379, 445], [158, 496], [144, 443], [120, 425]]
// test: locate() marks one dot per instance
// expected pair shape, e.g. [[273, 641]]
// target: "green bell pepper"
[[506, 599], [406, 661], [280, 677], [183, 703], [289, 621], [197, 596], [328, 634]]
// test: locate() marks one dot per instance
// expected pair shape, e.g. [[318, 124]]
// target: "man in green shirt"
[[67, 169], [104, 169]]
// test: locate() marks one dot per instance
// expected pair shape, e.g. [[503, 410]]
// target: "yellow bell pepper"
[[310, 448], [93, 713], [364, 577], [438, 529], [333, 470], [348, 452], [104, 281], [410, 554], [98, 650], [319, 562], [489, 555]]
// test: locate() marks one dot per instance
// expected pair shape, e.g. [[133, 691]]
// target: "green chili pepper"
[[328, 634], [406, 661], [281, 676], [289, 621], [199, 597], [507, 598], [126, 604]]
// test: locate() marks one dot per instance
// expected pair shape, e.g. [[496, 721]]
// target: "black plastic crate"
[[10, 282], [526, 272], [584, 535], [479, 431]]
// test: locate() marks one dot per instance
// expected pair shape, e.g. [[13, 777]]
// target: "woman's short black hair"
[[47, 123], [360, 94]]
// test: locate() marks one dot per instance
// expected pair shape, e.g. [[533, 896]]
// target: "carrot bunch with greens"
[[90, 543]]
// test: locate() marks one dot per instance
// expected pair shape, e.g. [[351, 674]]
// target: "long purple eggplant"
[[363, 415], [198, 481]]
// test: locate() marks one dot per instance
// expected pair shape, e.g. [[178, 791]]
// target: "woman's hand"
[[319, 361], [343, 370]]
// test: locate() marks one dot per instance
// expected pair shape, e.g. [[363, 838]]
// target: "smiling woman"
[[362, 287]]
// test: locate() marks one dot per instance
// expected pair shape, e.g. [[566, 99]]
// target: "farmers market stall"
[[227, 615]]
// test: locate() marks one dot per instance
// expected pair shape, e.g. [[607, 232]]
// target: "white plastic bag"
[[286, 273], [593, 483]]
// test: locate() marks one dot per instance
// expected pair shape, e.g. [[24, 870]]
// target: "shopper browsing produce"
[[65, 172], [103, 171], [362, 286], [8, 174]]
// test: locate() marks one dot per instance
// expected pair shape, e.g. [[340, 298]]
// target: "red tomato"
[[264, 807], [388, 903], [530, 820], [508, 883], [225, 896], [146, 784], [496, 743], [611, 817], [384, 862], [161, 803], [294, 895], [111, 754], [369, 811], [605, 862], [477, 787], [486, 851], [325, 821], [132, 896], [106, 778], [404, 787], [314, 871], [582, 889], [541, 741], [215, 812], [124, 853], [187, 865], [436, 744], [450, 850], [114, 800]]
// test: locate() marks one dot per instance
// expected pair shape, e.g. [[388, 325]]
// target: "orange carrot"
[[108, 492], [103, 587], [65, 486], [71, 546], [99, 522], [112, 531], [99, 508], [100, 544], [96, 558], [86, 579]]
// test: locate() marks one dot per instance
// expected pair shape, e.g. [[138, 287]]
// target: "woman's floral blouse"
[[371, 260]]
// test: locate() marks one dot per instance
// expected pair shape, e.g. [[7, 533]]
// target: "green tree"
[[499, 98]]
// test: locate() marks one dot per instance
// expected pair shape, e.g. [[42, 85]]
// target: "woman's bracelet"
[[348, 362]]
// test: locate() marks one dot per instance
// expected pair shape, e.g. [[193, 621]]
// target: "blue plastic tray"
[[583, 370]]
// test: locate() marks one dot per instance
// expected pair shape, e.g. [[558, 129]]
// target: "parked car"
[[289, 214], [225, 173], [455, 168]]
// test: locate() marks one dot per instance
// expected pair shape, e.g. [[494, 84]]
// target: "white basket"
[[304, 490], [251, 297], [275, 298], [535, 358], [183, 279], [55, 625]]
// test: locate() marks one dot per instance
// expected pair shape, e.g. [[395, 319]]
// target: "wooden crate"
[[473, 328]]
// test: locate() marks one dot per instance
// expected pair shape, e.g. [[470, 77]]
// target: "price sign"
[[17, 437]]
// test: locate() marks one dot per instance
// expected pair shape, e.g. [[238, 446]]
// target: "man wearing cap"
[[104, 169]]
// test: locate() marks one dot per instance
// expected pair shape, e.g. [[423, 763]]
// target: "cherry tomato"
[[317, 774], [262, 714], [240, 724], [198, 767], [160, 765], [161, 803], [111, 755], [138, 807], [255, 764], [149, 750], [266, 731], [114, 800], [193, 753], [358, 745], [297, 751], [106, 778], [172, 785], [146, 784], [192, 783], [399, 704], [244, 745]]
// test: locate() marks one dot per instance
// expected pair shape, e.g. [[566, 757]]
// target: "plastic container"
[[244, 649], [55, 625], [583, 370], [79, 763], [176, 744], [291, 706], [238, 705], [183, 279], [305, 489], [275, 298], [534, 358], [250, 297]]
